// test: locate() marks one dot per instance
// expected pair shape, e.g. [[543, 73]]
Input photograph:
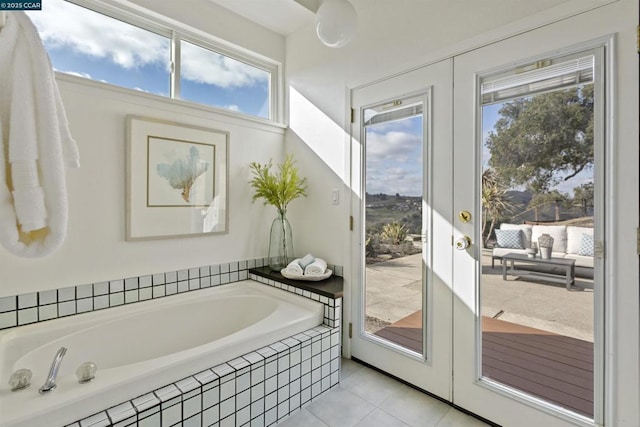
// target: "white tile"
[[8, 319], [116, 286], [302, 418], [29, 315], [146, 293], [116, 299], [152, 421], [47, 297], [348, 368], [158, 279], [145, 281], [183, 275], [131, 296], [47, 312], [101, 288], [372, 386], [7, 304], [414, 408], [211, 415], [130, 283], [100, 302], [83, 291], [171, 415], [379, 418], [340, 408], [28, 300], [66, 308]]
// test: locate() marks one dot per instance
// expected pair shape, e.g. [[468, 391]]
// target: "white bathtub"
[[141, 347]]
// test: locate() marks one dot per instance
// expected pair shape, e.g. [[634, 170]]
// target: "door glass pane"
[[537, 282], [394, 223]]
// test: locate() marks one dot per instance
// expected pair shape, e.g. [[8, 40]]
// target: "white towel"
[[316, 268], [294, 268], [306, 260], [35, 144]]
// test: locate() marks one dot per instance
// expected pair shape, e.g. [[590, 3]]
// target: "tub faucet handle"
[[20, 379], [86, 372], [50, 384]]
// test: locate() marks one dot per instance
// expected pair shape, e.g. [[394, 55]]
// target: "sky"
[[394, 157], [91, 45]]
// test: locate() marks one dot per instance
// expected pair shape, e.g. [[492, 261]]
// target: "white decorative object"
[[336, 22], [545, 243]]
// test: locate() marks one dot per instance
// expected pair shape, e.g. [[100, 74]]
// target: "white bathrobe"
[[36, 144]]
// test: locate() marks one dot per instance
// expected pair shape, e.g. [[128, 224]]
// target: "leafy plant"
[[395, 232], [280, 188]]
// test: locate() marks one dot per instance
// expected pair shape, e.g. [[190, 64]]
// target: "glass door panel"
[[394, 224]]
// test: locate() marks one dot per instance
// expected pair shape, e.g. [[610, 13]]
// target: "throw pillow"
[[586, 245], [511, 239]]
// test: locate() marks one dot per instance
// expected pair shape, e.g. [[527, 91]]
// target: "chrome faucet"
[[50, 384]]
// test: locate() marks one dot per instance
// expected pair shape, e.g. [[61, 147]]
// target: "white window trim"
[[176, 31]]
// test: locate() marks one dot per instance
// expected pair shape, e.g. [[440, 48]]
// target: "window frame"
[[176, 32]]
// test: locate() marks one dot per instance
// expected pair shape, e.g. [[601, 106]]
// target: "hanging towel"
[[316, 268], [294, 268], [35, 143]]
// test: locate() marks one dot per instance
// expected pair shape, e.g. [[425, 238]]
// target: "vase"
[[545, 243], [280, 243]]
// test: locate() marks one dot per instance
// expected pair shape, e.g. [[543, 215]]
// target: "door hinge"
[[351, 223], [638, 38], [638, 240], [353, 115], [350, 330], [598, 248]]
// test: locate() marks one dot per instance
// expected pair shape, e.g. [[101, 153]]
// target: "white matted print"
[[176, 179]]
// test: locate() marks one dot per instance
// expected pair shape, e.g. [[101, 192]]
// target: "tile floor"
[[368, 398]]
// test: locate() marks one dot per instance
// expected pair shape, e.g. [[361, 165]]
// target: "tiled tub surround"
[[150, 408], [34, 307]]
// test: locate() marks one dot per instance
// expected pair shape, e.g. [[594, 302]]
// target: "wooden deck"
[[554, 367]]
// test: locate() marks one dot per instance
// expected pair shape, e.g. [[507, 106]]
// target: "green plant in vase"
[[278, 189]]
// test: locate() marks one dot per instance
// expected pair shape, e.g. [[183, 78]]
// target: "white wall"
[[95, 249]]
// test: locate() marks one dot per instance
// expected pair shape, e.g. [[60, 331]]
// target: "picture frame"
[[177, 179]]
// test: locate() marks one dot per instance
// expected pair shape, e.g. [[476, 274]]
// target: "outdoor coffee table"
[[525, 263]]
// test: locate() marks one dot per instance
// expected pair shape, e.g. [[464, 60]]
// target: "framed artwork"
[[176, 179]]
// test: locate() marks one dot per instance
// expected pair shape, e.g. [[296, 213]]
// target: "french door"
[[446, 341], [402, 306]]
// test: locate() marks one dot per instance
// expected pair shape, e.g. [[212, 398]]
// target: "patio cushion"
[[581, 260], [558, 232], [510, 239], [526, 232], [586, 245], [574, 237]]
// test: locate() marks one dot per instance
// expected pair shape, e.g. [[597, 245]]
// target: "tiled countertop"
[[331, 287]]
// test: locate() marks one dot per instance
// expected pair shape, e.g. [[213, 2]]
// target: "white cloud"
[[394, 163], [393, 146], [64, 25], [204, 66], [232, 107]]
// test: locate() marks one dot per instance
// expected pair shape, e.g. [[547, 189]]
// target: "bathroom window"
[[210, 78], [106, 44]]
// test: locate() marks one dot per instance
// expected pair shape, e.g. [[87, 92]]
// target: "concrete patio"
[[394, 291]]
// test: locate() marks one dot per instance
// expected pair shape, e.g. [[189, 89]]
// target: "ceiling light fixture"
[[336, 22]]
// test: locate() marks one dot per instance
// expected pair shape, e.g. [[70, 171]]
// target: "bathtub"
[[141, 347]]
